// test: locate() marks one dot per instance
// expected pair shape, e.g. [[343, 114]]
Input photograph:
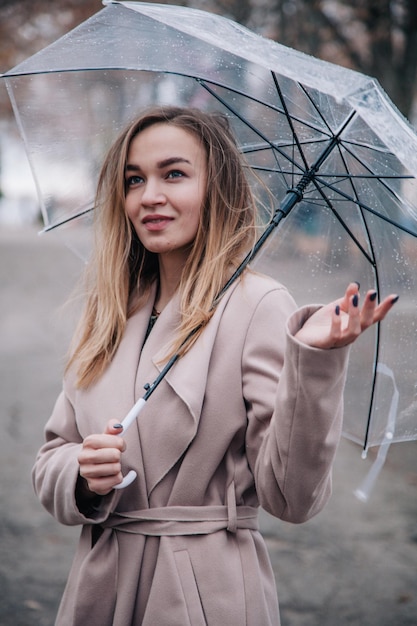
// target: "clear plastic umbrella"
[[339, 159]]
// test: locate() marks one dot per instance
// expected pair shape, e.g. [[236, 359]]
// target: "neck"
[[170, 271]]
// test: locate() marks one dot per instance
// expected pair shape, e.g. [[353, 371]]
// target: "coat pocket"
[[189, 588]]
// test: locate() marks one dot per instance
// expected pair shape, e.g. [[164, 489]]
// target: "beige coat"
[[230, 428]]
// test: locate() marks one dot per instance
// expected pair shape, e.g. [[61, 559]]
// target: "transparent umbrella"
[[339, 159]]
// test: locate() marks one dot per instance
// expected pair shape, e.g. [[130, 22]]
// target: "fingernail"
[[395, 299], [117, 426], [355, 300], [337, 309], [373, 295], [357, 283]]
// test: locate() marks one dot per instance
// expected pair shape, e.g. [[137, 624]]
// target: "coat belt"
[[99, 568], [184, 520]]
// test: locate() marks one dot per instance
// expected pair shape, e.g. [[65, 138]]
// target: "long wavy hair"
[[121, 271]]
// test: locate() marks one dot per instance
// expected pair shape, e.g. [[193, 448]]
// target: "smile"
[[156, 222]]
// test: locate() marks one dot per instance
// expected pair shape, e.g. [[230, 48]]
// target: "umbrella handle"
[[127, 480], [128, 421]]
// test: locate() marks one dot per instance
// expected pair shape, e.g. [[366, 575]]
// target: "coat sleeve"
[[294, 399], [55, 474]]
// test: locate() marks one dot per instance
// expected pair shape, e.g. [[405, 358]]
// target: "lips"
[[156, 222]]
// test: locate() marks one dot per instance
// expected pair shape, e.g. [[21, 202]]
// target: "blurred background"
[[355, 563]]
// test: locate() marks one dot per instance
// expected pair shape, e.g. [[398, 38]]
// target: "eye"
[[175, 174], [132, 181]]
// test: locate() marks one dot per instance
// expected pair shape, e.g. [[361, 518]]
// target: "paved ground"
[[353, 564]]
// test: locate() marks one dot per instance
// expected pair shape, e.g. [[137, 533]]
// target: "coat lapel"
[[169, 421]]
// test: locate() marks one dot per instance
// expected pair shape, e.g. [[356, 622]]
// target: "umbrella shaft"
[[292, 198]]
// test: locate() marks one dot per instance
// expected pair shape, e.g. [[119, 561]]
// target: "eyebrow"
[[160, 165]]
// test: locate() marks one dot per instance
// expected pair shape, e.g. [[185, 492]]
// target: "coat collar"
[[188, 377]]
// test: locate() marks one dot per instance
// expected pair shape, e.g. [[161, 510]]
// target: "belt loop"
[[231, 508]]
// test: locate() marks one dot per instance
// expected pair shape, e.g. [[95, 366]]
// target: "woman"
[[250, 414]]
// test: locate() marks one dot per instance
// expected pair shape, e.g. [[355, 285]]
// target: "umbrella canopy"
[[337, 156]]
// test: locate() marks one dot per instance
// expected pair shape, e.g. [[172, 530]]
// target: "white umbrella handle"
[[128, 420]]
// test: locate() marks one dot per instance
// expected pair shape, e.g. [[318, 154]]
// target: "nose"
[[152, 193]]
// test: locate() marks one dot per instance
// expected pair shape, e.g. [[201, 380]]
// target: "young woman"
[[249, 415]]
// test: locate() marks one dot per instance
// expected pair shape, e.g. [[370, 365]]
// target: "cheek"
[[194, 217], [130, 207]]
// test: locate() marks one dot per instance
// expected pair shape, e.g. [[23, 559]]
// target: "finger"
[[352, 327], [368, 309], [89, 456], [104, 441], [385, 306], [103, 486], [113, 428], [335, 325], [104, 470], [353, 287], [351, 290]]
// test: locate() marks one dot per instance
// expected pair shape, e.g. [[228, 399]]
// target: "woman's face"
[[165, 182]]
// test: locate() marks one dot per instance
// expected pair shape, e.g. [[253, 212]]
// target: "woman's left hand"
[[341, 322]]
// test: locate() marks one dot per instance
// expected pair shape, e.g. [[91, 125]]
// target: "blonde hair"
[[122, 271]]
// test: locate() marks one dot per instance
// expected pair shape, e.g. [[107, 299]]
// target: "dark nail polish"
[[373, 296], [117, 426], [395, 299], [357, 283], [355, 300], [337, 309]]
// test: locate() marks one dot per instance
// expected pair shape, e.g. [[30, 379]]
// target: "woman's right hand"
[[100, 460]]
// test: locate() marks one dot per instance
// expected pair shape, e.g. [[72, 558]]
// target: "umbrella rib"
[[376, 360], [293, 196], [260, 147], [339, 218], [67, 220], [316, 108], [201, 81], [268, 105], [289, 119], [339, 177], [378, 328], [374, 265], [367, 146], [246, 122], [365, 207], [379, 178]]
